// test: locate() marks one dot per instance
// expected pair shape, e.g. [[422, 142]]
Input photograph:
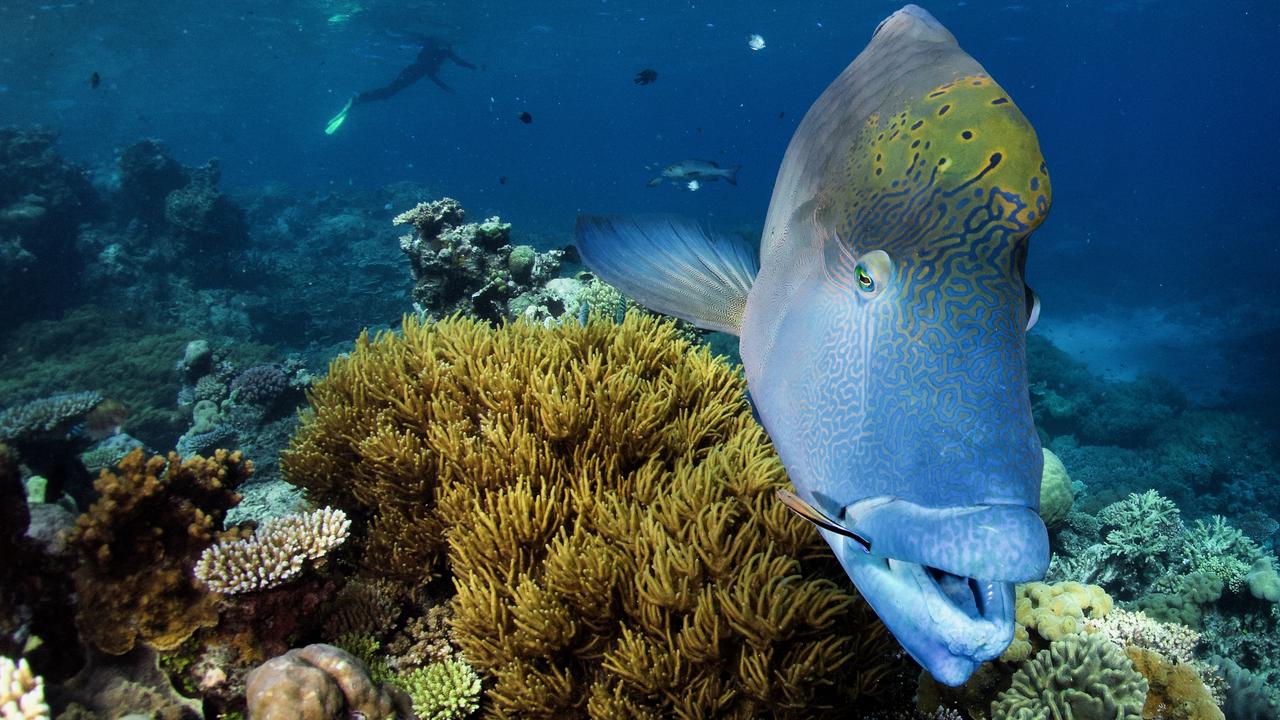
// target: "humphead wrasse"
[[882, 327]]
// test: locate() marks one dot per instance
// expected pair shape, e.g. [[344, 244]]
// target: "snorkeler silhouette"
[[430, 58]]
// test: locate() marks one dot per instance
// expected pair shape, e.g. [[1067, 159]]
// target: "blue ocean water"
[[1153, 117], [1158, 120]]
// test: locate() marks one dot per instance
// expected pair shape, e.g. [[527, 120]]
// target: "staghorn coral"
[[1082, 677], [1175, 690], [274, 554], [138, 542], [1218, 548], [612, 524], [317, 682], [21, 692], [445, 690]]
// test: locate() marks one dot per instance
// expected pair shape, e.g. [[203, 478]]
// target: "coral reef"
[[1084, 677], [21, 692], [116, 356], [317, 682], [139, 541], [274, 554], [123, 686], [609, 507], [43, 200], [469, 268]]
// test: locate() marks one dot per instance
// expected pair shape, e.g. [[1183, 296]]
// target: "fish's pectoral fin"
[[1033, 305], [819, 518], [672, 266]]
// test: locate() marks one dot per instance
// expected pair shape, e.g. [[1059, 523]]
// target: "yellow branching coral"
[[274, 554], [139, 541], [610, 514], [21, 692]]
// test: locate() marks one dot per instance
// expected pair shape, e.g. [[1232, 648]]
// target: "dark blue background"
[[1159, 120]]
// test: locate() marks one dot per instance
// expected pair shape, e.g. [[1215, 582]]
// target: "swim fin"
[[338, 119]]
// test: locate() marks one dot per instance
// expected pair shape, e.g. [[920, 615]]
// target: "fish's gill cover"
[[605, 504]]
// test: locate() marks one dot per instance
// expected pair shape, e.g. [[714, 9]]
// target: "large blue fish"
[[882, 327]]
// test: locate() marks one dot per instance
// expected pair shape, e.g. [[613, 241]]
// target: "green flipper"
[[338, 119]]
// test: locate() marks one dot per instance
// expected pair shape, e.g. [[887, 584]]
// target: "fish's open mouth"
[[949, 623], [965, 593]]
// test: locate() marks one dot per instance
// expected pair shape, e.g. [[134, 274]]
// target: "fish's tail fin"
[[732, 176], [672, 266]]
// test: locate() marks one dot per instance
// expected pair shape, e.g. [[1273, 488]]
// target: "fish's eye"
[[873, 274], [864, 280]]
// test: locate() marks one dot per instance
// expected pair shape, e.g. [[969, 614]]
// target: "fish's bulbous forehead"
[[934, 165]]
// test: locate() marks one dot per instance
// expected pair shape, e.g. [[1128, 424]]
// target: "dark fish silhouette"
[[95, 80], [526, 118], [646, 76], [502, 179]]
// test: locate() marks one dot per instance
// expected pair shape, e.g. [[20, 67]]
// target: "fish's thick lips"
[[948, 623]]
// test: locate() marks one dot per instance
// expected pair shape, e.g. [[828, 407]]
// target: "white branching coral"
[[275, 552], [21, 693]]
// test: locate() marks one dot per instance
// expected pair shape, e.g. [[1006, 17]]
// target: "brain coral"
[[610, 510], [1080, 677], [1055, 490]]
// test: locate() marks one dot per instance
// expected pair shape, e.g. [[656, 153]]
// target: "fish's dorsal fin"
[[819, 518], [673, 266]]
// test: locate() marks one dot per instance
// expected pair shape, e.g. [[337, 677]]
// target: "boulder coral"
[[318, 682], [1055, 491], [138, 542], [610, 514]]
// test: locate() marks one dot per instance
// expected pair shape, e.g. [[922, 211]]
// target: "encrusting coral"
[[610, 509], [21, 692], [139, 541], [274, 554]]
